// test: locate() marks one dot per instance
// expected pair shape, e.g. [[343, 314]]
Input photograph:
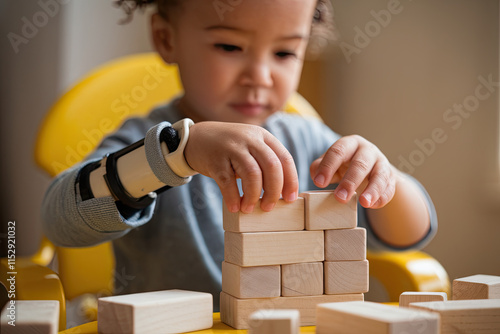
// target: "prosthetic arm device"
[[137, 172]]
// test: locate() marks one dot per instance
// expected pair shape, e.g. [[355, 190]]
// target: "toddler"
[[239, 61]]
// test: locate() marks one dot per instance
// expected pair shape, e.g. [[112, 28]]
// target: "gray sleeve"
[[376, 244], [70, 222]]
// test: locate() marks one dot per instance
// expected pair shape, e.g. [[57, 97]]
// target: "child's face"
[[238, 65]]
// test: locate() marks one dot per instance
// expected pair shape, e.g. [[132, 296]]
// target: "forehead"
[[285, 17]]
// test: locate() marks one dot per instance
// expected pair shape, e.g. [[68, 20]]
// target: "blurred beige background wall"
[[420, 80], [398, 79]]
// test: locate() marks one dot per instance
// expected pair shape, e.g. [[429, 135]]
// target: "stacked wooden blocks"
[[297, 256]]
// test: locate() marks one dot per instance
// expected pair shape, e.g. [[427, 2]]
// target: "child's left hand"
[[354, 162]]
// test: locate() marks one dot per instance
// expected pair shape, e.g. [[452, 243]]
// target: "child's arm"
[[225, 151], [405, 220], [398, 213]]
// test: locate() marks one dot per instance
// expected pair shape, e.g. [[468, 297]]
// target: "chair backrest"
[[75, 125]]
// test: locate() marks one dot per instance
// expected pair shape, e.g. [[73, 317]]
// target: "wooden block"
[[169, 311], [324, 212], [236, 312], [251, 282], [417, 296], [302, 279], [30, 316], [274, 321], [345, 244], [284, 217], [270, 248], [465, 316], [373, 318], [476, 287], [346, 277]]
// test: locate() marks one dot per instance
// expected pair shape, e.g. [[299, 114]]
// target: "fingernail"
[[234, 208], [291, 197], [342, 194], [368, 198], [320, 179], [269, 207], [249, 209]]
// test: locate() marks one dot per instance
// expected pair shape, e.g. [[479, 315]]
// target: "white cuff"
[[176, 160]]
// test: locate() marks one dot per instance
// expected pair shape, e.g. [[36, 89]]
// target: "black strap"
[[84, 180], [115, 185]]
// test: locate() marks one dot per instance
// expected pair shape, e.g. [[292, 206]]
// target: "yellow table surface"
[[217, 328]]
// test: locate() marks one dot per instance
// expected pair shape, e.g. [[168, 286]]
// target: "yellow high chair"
[[95, 107]]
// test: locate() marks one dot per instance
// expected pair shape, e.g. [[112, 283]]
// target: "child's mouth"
[[249, 109]]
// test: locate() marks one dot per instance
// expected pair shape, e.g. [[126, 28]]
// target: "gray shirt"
[[178, 241]]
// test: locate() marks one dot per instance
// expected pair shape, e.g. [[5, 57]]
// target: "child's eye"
[[285, 54], [228, 47]]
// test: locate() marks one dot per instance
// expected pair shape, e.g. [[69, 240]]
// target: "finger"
[[340, 152], [290, 188], [385, 198], [272, 176], [247, 168], [377, 184], [225, 178], [335, 178], [382, 190], [360, 166], [314, 166]]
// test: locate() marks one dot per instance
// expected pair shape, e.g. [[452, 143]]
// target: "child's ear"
[[163, 38]]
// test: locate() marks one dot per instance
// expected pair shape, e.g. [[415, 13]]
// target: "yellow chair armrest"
[[45, 253], [407, 271], [33, 282]]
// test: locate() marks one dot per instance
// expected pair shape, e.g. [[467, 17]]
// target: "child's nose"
[[257, 74]]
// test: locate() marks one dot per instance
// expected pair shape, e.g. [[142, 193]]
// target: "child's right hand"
[[227, 151]]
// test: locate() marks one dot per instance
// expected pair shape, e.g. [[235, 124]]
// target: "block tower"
[[297, 256]]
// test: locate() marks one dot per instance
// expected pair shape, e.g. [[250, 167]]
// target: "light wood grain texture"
[[373, 318], [419, 296], [169, 311], [345, 244], [274, 322], [270, 248], [302, 279], [284, 217], [251, 282], [236, 312], [346, 277], [476, 287], [30, 316], [479, 316], [324, 212]]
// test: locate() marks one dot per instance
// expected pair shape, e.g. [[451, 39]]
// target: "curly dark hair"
[[323, 31]]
